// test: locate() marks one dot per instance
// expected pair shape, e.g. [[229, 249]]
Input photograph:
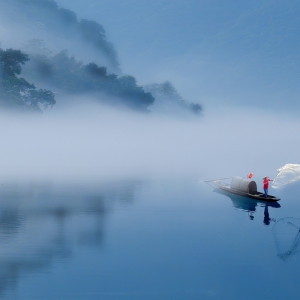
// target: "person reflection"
[[266, 216], [250, 214], [249, 205]]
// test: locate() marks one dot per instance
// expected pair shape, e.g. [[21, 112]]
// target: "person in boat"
[[266, 181]]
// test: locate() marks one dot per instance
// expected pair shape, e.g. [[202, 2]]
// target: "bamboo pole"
[[216, 179]]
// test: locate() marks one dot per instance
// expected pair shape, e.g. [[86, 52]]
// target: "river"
[[146, 239]]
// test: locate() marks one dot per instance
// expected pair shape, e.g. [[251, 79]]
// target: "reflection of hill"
[[40, 224]]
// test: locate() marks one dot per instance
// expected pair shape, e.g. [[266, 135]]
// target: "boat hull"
[[258, 196]]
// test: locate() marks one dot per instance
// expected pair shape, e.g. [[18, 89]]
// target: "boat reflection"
[[249, 205], [285, 231]]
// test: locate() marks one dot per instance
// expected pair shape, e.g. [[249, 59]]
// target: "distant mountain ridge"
[[98, 75], [47, 16], [240, 53]]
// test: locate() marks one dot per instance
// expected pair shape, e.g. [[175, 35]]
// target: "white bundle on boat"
[[287, 174]]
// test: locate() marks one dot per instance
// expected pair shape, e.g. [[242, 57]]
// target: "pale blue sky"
[[213, 50]]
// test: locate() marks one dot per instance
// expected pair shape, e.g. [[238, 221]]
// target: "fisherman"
[[266, 181]]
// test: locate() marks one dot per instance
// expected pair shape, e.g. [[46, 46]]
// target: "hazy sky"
[[213, 51], [238, 58]]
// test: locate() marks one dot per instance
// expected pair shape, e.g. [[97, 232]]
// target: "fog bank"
[[94, 142]]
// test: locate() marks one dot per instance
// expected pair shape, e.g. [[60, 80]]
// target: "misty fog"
[[112, 114], [92, 142], [79, 138]]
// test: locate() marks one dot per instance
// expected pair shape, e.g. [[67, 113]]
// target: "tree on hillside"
[[16, 92], [96, 71], [39, 63], [94, 33], [10, 62], [70, 76], [168, 99]]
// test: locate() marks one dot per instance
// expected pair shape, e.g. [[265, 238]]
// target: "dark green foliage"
[[133, 92], [65, 74], [95, 71], [167, 98], [94, 33], [127, 82], [196, 108], [68, 75], [11, 90], [68, 16], [10, 62], [92, 30], [16, 92], [42, 97]]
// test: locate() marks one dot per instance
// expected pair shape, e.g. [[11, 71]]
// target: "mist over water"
[[101, 194], [91, 141]]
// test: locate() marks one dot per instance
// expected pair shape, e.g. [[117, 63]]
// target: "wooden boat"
[[246, 203], [244, 187]]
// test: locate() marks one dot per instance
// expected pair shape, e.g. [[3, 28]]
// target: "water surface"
[[156, 239]]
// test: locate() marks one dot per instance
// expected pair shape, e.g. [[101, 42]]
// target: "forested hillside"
[[16, 92], [68, 76], [68, 56], [44, 18]]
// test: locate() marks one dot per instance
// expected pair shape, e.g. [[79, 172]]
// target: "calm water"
[[175, 239]]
